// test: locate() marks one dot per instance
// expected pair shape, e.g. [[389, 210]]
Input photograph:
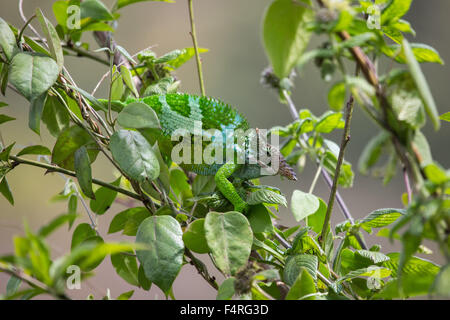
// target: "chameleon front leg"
[[227, 188]]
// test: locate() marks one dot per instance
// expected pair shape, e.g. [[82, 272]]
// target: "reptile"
[[178, 110]]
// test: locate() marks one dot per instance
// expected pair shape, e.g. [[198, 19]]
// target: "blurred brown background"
[[232, 31]]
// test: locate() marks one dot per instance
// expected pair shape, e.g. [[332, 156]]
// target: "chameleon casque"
[[183, 111]]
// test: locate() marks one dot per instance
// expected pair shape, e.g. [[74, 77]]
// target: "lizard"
[[184, 111]]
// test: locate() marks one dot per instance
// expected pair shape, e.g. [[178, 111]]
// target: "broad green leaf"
[[52, 38], [203, 184], [123, 3], [96, 256], [95, 9], [7, 40], [445, 116], [394, 11], [60, 12], [441, 285], [304, 204], [55, 116], [296, 264], [422, 53], [134, 155], [422, 85], [372, 152], [382, 217], [143, 280], [128, 221], [329, 122], [104, 197], [226, 290], [185, 56], [4, 118], [128, 79], [5, 190], [32, 74], [375, 257], [138, 115], [230, 239], [260, 219], [179, 184], [13, 285], [35, 114], [422, 148], [194, 237], [336, 96], [303, 286], [82, 232], [84, 172], [126, 267], [285, 34], [316, 220], [372, 271], [163, 261], [37, 149], [69, 141], [266, 196], [436, 174]]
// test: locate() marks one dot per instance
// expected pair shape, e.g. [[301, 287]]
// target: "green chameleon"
[[176, 111]]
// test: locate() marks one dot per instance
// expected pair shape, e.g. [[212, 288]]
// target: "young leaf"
[[382, 217], [296, 264], [336, 96], [303, 204], [134, 155], [230, 239], [185, 56], [37, 149], [126, 295], [164, 258], [83, 171], [4, 118], [128, 79], [329, 121], [104, 197], [285, 34], [52, 38], [7, 40], [394, 11], [422, 85], [303, 286], [445, 116], [226, 290], [138, 115], [194, 237], [32, 74]]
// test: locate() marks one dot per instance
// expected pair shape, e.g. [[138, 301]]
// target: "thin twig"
[[197, 54], [201, 268], [344, 142], [408, 185]]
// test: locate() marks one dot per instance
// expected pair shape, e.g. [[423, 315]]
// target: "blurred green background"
[[231, 30]]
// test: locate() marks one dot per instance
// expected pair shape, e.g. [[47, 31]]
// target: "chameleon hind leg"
[[227, 188]]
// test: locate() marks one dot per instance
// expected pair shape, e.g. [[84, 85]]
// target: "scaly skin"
[[181, 111]]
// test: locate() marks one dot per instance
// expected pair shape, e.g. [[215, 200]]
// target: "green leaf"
[[422, 53], [296, 264], [329, 121], [285, 34], [35, 114], [336, 96], [304, 204], [4, 118], [128, 221], [266, 196], [128, 79], [37, 149], [68, 142], [372, 271], [375, 257], [138, 115], [32, 74], [55, 116], [441, 285], [5, 152], [104, 197], [143, 280], [421, 147], [126, 295], [185, 56], [5, 190], [230, 239], [382, 217], [316, 220], [226, 289], [7, 40], [82, 232], [260, 219], [123, 3], [126, 267], [372, 152], [95, 10], [13, 285], [52, 38], [422, 85], [445, 116], [194, 237], [303, 286], [163, 261], [436, 174], [84, 172], [394, 11], [134, 155], [56, 223]]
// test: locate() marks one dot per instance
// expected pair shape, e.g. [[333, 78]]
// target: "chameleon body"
[[183, 111]]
